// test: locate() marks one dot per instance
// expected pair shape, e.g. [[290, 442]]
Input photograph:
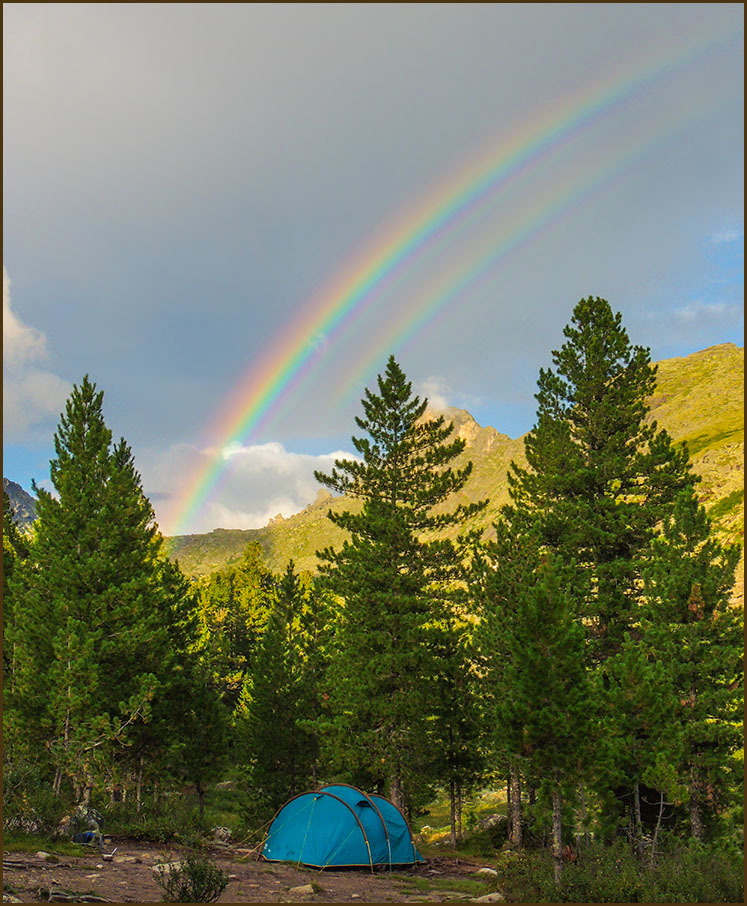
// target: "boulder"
[[305, 890], [221, 834]]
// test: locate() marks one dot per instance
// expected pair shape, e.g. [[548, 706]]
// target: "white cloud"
[[435, 389], [31, 395], [698, 311], [260, 481], [727, 236], [21, 343]]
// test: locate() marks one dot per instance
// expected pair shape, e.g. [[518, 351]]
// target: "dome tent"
[[339, 826]]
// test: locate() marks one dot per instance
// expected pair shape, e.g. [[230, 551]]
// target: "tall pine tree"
[[390, 576], [90, 632]]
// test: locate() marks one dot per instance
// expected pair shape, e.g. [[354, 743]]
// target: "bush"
[[611, 873], [29, 805], [197, 880]]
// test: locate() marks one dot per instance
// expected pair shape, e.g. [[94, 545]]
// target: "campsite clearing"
[[129, 878]]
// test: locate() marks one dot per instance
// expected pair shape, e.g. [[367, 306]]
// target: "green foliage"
[[280, 700], [690, 628], [234, 608], [612, 874], [391, 584], [29, 805], [196, 880]]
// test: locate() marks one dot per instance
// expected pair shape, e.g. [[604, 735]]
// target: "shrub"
[[612, 874], [197, 880], [29, 805]]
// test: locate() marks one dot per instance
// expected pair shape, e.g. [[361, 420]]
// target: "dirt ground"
[[129, 878]]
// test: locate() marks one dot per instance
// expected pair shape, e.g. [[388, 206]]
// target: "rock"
[[489, 898], [305, 890], [165, 868], [355, 896], [491, 820], [45, 857], [67, 826], [487, 872], [221, 834], [124, 859]]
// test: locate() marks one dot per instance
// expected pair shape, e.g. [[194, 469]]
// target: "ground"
[[129, 878]]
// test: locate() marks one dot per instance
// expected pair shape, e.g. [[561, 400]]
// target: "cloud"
[[727, 236], [21, 343], [260, 481], [697, 312], [436, 390], [31, 395]]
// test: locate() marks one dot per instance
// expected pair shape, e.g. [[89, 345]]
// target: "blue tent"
[[340, 826]]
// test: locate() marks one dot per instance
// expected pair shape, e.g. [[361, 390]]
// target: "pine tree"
[[505, 569], [545, 717], [600, 479], [690, 627], [234, 610], [279, 702], [390, 580], [15, 550], [88, 637]]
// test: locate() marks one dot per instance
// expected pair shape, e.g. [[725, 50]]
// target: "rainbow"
[[419, 232]]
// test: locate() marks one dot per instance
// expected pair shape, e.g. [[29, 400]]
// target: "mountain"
[[22, 504], [698, 399]]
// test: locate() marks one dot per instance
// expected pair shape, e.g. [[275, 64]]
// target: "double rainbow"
[[446, 210]]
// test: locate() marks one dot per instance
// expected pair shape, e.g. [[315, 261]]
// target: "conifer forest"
[[582, 659]]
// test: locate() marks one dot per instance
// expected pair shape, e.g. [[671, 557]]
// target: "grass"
[[433, 825], [31, 843], [730, 502]]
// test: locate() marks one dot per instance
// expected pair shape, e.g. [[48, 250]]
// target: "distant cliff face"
[[698, 399], [22, 504]]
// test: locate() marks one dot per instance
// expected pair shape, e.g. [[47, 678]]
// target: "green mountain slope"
[[699, 399]]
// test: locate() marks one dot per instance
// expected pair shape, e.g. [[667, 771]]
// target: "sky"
[[230, 215]]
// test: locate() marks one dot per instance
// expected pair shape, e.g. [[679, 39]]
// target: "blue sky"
[[179, 180]]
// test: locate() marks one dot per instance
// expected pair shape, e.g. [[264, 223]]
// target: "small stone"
[[99, 866], [45, 857], [166, 867], [489, 898], [488, 872], [355, 896], [125, 859], [233, 877], [305, 890]]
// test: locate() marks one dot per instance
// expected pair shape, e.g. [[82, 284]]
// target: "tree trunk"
[[515, 806], [584, 814], [139, 787], [201, 799], [509, 811], [557, 836], [459, 811], [696, 819], [656, 832], [395, 793], [452, 814], [637, 822]]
